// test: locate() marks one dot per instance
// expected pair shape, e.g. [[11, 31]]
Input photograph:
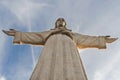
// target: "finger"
[[5, 31], [8, 33], [12, 30], [107, 36]]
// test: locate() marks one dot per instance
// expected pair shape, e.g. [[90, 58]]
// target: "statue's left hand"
[[11, 32]]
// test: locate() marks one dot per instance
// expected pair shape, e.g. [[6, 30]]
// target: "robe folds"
[[60, 59]]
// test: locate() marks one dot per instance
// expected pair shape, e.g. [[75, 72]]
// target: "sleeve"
[[35, 38], [86, 41]]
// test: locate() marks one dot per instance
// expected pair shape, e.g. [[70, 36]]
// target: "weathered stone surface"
[[59, 60]]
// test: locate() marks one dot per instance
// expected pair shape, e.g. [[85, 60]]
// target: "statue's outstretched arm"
[[86, 41], [35, 38]]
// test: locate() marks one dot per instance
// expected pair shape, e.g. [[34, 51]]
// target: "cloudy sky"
[[93, 17]]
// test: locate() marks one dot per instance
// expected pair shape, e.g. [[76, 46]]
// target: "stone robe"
[[60, 59]]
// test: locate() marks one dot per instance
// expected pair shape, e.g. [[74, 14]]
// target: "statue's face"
[[60, 22]]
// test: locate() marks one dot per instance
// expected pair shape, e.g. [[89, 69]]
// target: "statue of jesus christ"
[[60, 59]]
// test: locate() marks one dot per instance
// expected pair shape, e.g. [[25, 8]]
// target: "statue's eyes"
[[60, 19]]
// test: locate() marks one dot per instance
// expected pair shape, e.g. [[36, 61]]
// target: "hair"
[[64, 26], [58, 20]]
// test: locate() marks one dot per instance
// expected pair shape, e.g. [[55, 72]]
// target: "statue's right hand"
[[11, 32], [57, 30]]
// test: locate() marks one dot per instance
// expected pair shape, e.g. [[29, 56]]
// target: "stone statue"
[[60, 59]]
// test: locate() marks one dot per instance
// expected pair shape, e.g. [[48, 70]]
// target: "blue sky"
[[93, 17]]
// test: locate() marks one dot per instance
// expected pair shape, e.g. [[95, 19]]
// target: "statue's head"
[[60, 23]]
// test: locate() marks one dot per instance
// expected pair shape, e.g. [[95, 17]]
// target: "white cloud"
[[104, 72], [22, 73], [24, 9], [98, 76], [2, 48], [2, 78]]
